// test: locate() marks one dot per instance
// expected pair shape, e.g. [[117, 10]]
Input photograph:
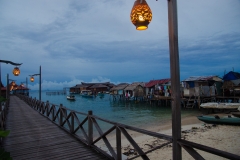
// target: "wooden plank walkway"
[[33, 136]]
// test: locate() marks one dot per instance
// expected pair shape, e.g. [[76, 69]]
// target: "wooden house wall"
[[139, 91], [200, 90], [100, 89]]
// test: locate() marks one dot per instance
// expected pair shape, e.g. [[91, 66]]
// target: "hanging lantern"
[[16, 71], [141, 15], [32, 79]]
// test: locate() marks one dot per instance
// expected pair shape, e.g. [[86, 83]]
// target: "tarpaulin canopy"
[[231, 76]]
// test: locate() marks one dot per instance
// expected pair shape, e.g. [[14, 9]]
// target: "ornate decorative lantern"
[[16, 71], [32, 79], [141, 15]]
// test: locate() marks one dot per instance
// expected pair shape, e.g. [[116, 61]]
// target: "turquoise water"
[[140, 115]]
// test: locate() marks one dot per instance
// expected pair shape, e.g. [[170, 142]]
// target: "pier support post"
[[90, 129]]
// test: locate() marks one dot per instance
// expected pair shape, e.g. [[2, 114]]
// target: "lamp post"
[[8, 87], [25, 82], [175, 74], [16, 71], [40, 77]]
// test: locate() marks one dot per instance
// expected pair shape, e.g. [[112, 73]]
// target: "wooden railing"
[[3, 114], [83, 130]]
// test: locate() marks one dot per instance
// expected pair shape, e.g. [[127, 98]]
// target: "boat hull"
[[215, 105], [70, 98], [87, 96], [218, 120]]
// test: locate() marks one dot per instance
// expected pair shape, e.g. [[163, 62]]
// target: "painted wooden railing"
[[83, 130], [3, 113]]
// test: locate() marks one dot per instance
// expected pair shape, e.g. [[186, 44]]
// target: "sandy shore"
[[222, 137]]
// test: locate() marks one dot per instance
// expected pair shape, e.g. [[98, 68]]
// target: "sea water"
[[141, 114]]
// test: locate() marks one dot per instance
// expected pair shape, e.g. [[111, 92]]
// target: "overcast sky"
[[78, 41]]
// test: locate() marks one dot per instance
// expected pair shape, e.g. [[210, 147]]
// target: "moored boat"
[[229, 120], [215, 105], [100, 94], [71, 97], [87, 94]]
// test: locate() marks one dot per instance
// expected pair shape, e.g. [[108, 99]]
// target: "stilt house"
[[231, 84], [135, 90], [158, 87], [202, 86]]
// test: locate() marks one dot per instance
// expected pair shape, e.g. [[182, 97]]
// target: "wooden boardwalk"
[[33, 136]]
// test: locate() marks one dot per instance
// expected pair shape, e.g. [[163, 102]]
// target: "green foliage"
[[2, 99], [3, 154], [4, 133]]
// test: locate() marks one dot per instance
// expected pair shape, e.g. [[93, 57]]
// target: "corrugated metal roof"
[[119, 86], [132, 86], [18, 87], [155, 82], [200, 78], [99, 86]]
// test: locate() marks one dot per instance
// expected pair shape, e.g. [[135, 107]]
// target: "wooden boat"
[[71, 97], [215, 105], [87, 94], [220, 120]]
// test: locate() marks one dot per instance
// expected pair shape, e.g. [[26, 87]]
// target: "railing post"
[[47, 105], [1, 106], [119, 145], [72, 122], [90, 129], [61, 115], [53, 107]]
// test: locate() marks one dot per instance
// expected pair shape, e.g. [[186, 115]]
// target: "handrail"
[[3, 114], [83, 129]]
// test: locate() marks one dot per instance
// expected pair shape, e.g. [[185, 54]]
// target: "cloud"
[[83, 40], [53, 85]]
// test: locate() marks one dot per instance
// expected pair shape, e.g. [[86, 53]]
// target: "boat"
[[100, 94], [71, 97], [87, 94], [215, 105], [229, 120]]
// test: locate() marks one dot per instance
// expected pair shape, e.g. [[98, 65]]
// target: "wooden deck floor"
[[32, 136]]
